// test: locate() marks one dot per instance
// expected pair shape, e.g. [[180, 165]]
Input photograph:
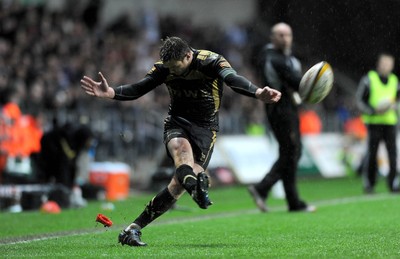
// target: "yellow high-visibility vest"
[[379, 92]]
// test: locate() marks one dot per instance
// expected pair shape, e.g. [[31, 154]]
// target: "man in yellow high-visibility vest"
[[377, 94]]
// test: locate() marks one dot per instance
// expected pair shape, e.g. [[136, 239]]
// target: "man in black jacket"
[[282, 71]]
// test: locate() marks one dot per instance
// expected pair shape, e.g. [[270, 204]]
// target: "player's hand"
[[268, 95], [97, 88]]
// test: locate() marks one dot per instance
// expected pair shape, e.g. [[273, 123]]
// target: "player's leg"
[[284, 129], [157, 206], [371, 172], [189, 174], [389, 136], [290, 151], [184, 179], [259, 192], [191, 148], [202, 141], [181, 152], [200, 193], [161, 203]]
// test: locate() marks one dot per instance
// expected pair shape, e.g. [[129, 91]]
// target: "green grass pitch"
[[347, 224]]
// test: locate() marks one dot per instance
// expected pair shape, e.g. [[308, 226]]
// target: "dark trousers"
[[284, 122], [377, 133]]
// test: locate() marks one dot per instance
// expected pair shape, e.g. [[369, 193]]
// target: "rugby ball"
[[316, 83], [384, 105]]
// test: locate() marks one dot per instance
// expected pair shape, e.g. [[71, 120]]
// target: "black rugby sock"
[[161, 203], [186, 177]]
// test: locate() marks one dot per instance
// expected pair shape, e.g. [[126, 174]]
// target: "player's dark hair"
[[173, 48]]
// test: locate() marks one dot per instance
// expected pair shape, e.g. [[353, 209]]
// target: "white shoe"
[[259, 201], [76, 199], [308, 208]]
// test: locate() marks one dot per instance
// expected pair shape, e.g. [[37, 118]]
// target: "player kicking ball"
[[194, 79]]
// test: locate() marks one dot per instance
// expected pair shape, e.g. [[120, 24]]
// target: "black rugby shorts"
[[201, 139]]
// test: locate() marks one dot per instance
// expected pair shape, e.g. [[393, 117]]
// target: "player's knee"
[[178, 145]]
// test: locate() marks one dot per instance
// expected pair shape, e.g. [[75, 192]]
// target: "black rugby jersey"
[[195, 95]]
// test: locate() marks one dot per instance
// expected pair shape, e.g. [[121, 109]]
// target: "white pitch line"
[[38, 237], [324, 203]]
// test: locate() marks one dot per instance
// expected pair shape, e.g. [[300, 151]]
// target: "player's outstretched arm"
[[268, 95], [97, 88], [243, 86]]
